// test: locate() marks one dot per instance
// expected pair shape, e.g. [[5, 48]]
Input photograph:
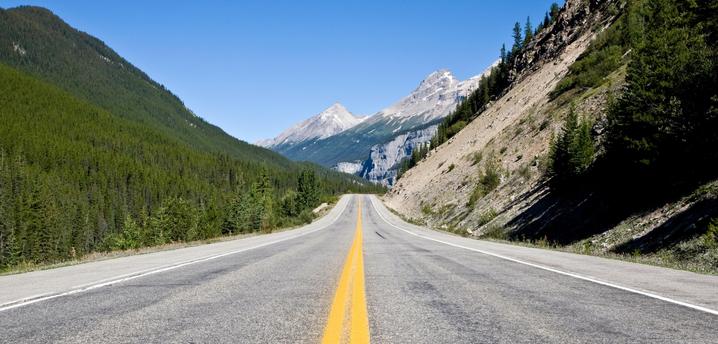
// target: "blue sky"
[[256, 67]]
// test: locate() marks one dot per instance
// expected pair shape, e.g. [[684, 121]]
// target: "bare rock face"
[[575, 19], [382, 165]]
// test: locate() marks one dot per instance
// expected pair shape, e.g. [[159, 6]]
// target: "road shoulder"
[[24, 288], [676, 286]]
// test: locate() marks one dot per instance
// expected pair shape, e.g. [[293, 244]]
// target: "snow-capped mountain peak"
[[435, 97], [439, 79], [331, 121]]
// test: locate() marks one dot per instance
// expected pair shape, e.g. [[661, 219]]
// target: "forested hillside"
[[34, 40], [94, 155], [75, 179]]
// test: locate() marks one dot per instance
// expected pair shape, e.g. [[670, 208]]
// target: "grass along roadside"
[[677, 257], [666, 258], [105, 255]]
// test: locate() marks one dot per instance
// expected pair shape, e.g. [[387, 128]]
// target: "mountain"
[[350, 150], [334, 120], [435, 97], [507, 135], [96, 156], [579, 151], [36, 41]]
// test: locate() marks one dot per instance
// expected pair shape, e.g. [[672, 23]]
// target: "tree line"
[[663, 127], [76, 179]]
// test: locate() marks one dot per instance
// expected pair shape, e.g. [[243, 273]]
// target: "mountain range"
[[373, 146]]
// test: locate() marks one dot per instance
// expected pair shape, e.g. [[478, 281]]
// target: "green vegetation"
[[489, 180], [494, 232], [572, 151], [94, 156], [85, 67], [607, 52], [476, 158], [664, 124], [710, 238], [487, 216], [417, 154], [75, 179]]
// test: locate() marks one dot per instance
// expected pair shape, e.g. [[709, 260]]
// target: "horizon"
[[301, 63]]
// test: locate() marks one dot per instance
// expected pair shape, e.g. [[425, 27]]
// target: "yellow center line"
[[351, 282]]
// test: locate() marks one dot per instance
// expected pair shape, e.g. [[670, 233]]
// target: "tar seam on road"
[[123, 278], [351, 282], [569, 274]]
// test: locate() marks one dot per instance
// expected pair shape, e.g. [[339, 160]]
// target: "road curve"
[[416, 286]]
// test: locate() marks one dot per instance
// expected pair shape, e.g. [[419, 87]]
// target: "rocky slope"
[[512, 136], [496, 131]]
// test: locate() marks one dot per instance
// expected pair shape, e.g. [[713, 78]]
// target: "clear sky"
[[256, 67]]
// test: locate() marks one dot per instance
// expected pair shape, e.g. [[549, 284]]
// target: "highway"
[[359, 274]]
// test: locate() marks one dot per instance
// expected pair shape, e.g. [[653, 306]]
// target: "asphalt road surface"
[[359, 274]]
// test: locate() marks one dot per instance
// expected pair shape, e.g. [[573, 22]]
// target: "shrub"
[[489, 180], [710, 238], [129, 238], [525, 172], [495, 232], [476, 158], [487, 216]]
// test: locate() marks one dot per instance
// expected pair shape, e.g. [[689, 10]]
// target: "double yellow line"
[[351, 288]]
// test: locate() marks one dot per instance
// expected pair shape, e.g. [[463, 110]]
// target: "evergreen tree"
[[263, 202], [665, 121], [7, 239], [572, 151], [176, 220], [554, 11], [546, 20], [307, 190], [528, 31], [289, 204], [518, 40]]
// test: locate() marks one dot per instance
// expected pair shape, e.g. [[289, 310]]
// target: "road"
[[359, 274]]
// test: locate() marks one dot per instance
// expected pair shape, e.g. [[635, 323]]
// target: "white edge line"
[[127, 277], [570, 274]]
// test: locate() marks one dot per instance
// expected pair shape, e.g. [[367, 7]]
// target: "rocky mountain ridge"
[[356, 149], [333, 120]]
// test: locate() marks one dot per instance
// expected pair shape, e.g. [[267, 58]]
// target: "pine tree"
[[554, 11], [546, 20], [572, 151], [518, 40], [263, 199], [307, 190], [664, 122], [528, 31]]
